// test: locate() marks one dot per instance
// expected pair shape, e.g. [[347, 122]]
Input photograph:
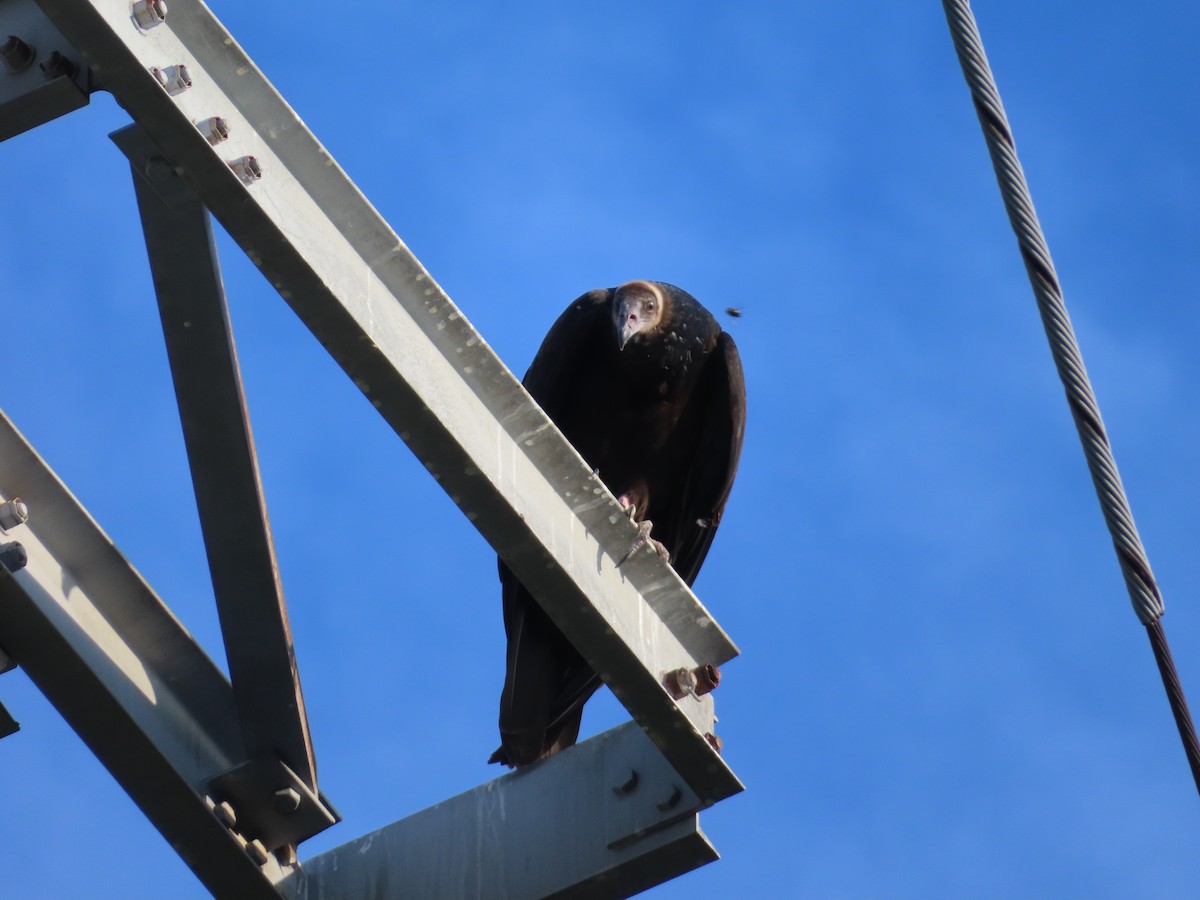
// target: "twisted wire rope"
[[1135, 566], [1144, 592]]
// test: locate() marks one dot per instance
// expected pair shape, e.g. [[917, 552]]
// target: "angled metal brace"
[[8, 725], [229, 496], [127, 677]]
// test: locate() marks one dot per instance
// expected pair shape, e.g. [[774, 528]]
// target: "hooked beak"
[[638, 309], [631, 323]]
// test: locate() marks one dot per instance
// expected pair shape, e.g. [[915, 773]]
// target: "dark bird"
[[648, 388]]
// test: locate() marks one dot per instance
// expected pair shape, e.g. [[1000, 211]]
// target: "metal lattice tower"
[[225, 769]]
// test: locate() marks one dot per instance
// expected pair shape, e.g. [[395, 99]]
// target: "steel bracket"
[[272, 803], [42, 76]]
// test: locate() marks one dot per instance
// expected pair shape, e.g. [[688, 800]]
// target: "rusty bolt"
[[696, 682], [628, 786], [286, 801], [17, 55], [715, 742], [13, 513], [707, 679], [215, 129], [247, 169], [680, 683]]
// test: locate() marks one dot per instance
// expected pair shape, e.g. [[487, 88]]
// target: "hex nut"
[[13, 512]]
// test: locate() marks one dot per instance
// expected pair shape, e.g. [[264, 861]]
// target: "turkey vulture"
[[648, 388]]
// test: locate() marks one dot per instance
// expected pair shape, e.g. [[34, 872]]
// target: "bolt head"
[[148, 13], [224, 812], [13, 512], [257, 852], [629, 785], [13, 556], [158, 170], [286, 801], [17, 55], [680, 683]]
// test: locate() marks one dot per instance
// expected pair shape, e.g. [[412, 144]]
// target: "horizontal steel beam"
[[108, 654], [605, 818], [373, 306]]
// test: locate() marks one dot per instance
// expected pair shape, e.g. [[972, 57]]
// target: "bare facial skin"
[[637, 309]]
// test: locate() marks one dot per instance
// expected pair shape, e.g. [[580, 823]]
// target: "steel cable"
[[1139, 579]]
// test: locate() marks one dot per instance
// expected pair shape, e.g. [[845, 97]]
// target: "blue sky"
[[943, 690]]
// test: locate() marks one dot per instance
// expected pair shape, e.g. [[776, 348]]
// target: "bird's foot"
[[643, 537]]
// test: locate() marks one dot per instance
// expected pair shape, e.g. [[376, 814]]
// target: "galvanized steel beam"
[[369, 301], [108, 654], [605, 818], [224, 466]]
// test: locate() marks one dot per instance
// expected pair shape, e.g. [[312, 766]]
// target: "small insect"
[[733, 311]]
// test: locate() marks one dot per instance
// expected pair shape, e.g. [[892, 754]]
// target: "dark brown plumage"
[[649, 390]]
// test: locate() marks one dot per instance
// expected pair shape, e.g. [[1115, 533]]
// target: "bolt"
[[13, 556], [158, 170], [214, 129], [286, 855], [697, 682], [707, 679], [286, 801], [628, 786], [148, 13], [225, 814], [57, 65], [672, 801], [680, 683], [13, 513], [715, 742], [247, 169], [257, 852], [17, 54], [175, 79]]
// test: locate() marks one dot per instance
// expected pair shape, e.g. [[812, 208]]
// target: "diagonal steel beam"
[[220, 447], [122, 671], [377, 311]]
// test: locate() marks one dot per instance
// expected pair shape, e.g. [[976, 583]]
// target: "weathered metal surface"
[[575, 825], [35, 85], [224, 466], [109, 655]]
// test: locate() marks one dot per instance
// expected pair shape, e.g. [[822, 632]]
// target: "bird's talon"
[[643, 537]]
